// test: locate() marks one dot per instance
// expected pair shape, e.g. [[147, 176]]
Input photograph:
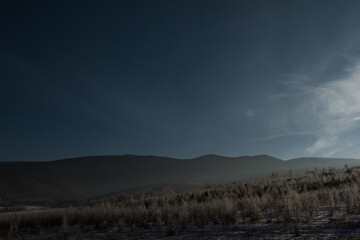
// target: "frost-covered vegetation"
[[297, 202]]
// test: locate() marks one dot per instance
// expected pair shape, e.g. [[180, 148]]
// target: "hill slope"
[[86, 177]]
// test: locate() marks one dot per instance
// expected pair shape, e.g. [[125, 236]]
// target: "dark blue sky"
[[179, 78]]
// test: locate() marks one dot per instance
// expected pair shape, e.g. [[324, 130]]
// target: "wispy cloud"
[[332, 108], [281, 133]]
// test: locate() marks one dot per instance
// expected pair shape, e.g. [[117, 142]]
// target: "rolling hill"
[[87, 177]]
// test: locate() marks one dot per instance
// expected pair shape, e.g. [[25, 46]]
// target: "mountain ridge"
[[91, 176]]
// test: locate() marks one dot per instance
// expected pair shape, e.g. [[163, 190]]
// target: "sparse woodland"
[[294, 201]]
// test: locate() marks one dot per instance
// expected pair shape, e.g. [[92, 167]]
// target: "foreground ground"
[[337, 227]]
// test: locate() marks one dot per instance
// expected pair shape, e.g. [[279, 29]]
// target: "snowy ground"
[[322, 226]]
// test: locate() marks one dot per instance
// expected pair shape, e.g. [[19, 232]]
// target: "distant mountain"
[[87, 177]]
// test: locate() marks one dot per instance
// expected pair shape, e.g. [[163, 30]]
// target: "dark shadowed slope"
[[87, 177]]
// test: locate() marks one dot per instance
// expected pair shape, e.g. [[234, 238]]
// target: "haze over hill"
[[87, 177]]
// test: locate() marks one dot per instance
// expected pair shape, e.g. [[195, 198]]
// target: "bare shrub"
[[200, 214], [348, 198], [229, 211], [184, 215], [64, 227], [168, 217], [293, 207], [13, 228], [251, 209], [310, 203]]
